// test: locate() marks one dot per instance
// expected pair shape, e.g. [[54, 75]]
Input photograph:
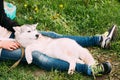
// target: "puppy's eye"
[[28, 31]]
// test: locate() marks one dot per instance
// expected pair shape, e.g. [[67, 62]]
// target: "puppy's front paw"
[[28, 56], [71, 71], [29, 60]]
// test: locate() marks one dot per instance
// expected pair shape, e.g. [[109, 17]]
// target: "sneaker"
[[101, 69], [107, 37]]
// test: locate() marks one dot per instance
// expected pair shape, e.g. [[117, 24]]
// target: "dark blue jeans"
[[49, 63]]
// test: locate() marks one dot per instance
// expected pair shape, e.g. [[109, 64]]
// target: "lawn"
[[70, 17]]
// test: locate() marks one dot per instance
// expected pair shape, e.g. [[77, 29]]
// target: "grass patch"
[[70, 17]]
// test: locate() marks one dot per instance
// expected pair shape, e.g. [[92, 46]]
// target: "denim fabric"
[[44, 61], [85, 41], [49, 63]]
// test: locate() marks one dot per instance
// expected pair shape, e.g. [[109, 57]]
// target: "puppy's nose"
[[37, 35]]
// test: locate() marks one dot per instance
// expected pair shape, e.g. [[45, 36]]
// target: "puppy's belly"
[[58, 47]]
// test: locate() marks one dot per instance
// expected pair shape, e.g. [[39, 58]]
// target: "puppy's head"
[[26, 33]]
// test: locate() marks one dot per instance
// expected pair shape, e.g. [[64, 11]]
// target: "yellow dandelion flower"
[[36, 9], [30, 18], [61, 5], [57, 15], [54, 17], [25, 5]]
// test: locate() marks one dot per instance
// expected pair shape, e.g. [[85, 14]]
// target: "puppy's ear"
[[35, 25], [17, 29]]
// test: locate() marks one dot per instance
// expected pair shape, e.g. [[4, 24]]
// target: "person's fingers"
[[18, 44], [10, 48], [10, 45], [13, 46]]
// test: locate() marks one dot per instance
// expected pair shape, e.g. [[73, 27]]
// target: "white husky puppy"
[[62, 48]]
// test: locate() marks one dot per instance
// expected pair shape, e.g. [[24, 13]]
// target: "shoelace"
[[96, 69], [105, 34]]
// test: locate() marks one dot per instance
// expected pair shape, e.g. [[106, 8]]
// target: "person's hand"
[[9, 45]]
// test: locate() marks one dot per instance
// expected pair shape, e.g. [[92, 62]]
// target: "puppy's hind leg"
[[71, 61], [72, 65], [88, 58]]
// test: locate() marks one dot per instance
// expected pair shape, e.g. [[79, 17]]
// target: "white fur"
[[61, 48]]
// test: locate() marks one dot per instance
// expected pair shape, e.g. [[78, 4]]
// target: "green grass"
[[70, 17]]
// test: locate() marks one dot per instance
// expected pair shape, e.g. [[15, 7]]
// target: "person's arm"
[[9, 45], [8, 23], [5, 21]]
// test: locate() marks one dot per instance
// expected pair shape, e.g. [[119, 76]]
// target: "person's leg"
[[4, 20], [44, 61], [87, 41], [11, 55], [48, 63]]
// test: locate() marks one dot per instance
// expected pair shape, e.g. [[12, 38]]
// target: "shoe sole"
[[108, 67], [111, 36], [113, 32]]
